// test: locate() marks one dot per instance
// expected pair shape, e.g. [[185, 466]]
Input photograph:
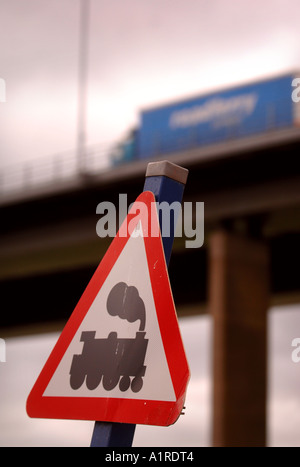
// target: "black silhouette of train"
[[114, 360]]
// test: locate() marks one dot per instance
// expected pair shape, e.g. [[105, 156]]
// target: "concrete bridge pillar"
[[239, 300]]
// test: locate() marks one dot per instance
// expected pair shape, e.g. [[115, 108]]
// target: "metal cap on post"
[[167, 169], [167, 182]]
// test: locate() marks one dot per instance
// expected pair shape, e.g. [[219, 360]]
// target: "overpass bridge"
[[251, 189]]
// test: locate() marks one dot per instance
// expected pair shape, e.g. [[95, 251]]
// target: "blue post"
[[112, 435], [167, 181]]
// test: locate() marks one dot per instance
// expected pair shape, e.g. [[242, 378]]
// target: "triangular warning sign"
[[120, 357]]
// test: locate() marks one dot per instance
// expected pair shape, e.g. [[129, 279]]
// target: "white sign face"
[[114, 340]]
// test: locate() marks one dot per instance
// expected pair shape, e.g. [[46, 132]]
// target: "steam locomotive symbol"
[[114, 360]]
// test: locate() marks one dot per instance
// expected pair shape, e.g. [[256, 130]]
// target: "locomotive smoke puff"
[[124, 301]]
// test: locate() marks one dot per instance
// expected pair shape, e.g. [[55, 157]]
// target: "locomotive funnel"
[[124, 301]]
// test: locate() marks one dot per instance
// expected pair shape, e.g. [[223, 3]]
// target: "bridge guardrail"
[[57, 167]]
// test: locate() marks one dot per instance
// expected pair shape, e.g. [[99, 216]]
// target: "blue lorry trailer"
[[218, 117]]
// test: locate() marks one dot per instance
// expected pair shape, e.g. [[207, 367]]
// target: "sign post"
[[123, 338], [167, 182]]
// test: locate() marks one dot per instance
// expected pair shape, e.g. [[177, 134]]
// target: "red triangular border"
[[136, 411]]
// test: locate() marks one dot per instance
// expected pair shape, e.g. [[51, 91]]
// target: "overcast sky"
[[140, 53]]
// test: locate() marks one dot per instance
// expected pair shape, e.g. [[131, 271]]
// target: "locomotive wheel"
[[124, 383], [93, 381], [76, 380], [137, 384], [110, 382]]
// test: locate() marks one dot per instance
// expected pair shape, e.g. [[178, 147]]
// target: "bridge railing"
[[53, 169]]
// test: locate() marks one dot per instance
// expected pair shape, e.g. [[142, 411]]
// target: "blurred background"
[[96, 89]]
